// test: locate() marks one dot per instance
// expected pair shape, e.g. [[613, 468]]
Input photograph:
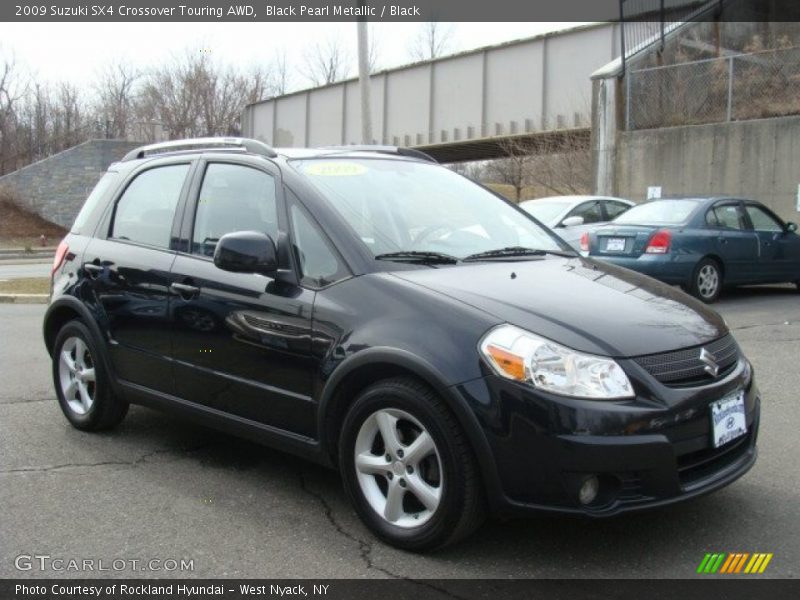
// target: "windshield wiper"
[[514, 251], [413, 256]]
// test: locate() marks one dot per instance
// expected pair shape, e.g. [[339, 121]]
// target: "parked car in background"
[[572, 216], [702, 244]]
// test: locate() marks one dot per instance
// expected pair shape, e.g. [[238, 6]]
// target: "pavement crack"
[[139, 460], [23, 401], [365, 548]]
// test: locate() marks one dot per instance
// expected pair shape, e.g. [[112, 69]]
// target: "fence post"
[[627, 76], [730, 89]]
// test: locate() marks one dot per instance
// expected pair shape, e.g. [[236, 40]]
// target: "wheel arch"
[[68, 308], [717, 259], [370, 366]]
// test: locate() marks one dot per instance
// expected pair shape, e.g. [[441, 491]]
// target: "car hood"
[[584, 304]]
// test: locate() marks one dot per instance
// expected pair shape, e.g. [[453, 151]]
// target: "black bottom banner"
[[379, 589]]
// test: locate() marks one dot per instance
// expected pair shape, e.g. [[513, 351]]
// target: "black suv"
[[368, 309]]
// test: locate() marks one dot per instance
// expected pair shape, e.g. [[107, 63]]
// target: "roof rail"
[[205, 143], [399, 150]]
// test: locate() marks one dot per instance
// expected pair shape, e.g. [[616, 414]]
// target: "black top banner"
[[378, 10]]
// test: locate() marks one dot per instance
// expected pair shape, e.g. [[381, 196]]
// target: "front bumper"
[[652, 450]]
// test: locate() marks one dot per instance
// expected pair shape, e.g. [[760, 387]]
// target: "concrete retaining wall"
[[757, 159], [56, 187]]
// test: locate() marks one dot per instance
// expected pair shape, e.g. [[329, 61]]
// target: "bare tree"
[[475, 170], [327, 62], [282, 74], [433, 40], [512, 170], [373, 55], [193, 96], [116, 88], [12, 91], [554, 164], [563, 164]]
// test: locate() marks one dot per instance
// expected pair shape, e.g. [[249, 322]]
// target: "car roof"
[[573, 199]]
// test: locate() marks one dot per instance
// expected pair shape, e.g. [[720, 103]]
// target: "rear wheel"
[[706, 282], [408, 468], [81, 381]]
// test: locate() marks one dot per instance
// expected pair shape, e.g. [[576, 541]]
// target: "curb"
[[24, 298]]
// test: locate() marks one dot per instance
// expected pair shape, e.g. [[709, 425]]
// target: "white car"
[[571, 216]]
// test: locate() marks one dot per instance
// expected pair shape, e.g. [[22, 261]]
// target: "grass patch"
[[26, 285]]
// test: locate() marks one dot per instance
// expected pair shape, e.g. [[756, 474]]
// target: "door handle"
[[92, 269], [184, 290]]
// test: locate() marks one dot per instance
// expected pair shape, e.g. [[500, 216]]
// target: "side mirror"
[[247, 252], [572, 221], [792, 227]]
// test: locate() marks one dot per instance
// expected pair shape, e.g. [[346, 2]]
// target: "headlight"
[[522, 356]]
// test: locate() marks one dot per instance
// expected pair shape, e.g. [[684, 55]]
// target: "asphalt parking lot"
[[160, 488]]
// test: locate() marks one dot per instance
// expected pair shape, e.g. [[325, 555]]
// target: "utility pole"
[[363, 81]]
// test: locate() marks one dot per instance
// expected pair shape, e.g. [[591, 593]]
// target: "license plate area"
[[615, 245], [728, 420]]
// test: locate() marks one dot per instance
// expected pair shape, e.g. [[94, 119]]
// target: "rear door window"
[[728, 216], [145, 212], [615, 209]]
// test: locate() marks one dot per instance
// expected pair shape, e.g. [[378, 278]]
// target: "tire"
[[440, 494], [81, 381], [706, 284]]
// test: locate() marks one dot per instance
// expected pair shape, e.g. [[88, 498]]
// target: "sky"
[[75, 52]]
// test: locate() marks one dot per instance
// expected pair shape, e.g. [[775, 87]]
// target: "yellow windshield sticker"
[[337, 168]]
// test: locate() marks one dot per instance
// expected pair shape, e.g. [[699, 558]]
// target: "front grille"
[[683, 368]]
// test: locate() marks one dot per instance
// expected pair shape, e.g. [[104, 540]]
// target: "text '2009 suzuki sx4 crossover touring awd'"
[[368, 309]]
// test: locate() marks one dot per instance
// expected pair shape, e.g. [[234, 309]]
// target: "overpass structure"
[[534, 93]]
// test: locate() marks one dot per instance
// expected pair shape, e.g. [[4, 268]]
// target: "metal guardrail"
[[646, 22], [731, 88]]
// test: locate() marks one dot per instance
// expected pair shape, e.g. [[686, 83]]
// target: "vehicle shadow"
[[634, 545]]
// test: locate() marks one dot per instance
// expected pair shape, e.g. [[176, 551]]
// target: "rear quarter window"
[[94, 204]]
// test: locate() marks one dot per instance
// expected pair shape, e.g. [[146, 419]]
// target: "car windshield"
[[658, 212], [400, 206], [545, 210]]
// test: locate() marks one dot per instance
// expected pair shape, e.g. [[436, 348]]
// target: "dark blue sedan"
[[701, 244]]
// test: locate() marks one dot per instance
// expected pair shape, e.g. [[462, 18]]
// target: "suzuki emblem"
[[712, 368]]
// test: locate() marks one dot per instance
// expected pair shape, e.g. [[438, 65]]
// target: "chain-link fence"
[[742, 86]]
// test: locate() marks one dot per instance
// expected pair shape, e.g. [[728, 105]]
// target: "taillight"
[[659, 243], [585, 241], [58, 259]]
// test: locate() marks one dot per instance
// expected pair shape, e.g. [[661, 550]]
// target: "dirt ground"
[[20, 228]]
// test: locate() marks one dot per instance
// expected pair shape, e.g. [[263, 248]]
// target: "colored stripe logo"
[[734, 563]]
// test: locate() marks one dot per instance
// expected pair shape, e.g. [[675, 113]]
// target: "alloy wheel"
[[77, 375], [398, 468], [708, 281]]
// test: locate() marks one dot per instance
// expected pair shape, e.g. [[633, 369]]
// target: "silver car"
[[571, 216]]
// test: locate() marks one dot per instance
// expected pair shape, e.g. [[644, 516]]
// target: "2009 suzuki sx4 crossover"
[[368, 309]]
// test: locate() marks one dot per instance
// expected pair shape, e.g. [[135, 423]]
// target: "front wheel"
[[408, 468], [706, 282]]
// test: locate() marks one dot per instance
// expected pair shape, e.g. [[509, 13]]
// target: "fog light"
[[589, 489]]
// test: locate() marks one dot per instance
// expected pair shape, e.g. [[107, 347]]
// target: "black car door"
[[241, 341], [779, 249], [127, 266]]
